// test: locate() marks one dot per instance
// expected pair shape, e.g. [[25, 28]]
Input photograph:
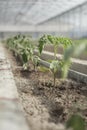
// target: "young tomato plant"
[[22, 46], [59, 41], [55, 41], [55, 65]]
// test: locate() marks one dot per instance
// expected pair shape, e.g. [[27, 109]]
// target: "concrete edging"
[[11, 112], [78, 70]]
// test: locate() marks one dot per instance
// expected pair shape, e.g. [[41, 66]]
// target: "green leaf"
[[54, 65], [35, 60], [25, 66], [24, 58], [76, 122], [42, 42], [51, 39], [43, 69], [41, 46]]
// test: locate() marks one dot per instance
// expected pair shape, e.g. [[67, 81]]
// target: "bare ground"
[[47, 107]]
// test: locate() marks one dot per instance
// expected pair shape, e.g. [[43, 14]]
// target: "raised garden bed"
[[47, 107], [60, 51]]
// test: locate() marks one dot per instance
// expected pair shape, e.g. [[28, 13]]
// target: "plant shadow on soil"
[[55, 98]]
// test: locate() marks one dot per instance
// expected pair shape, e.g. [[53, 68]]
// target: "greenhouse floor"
[[47, 107], [11, 114]]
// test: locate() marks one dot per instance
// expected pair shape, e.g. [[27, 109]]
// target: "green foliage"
[[24, 57], [73, 50], [65, 42], [42, 41], [55, 41], [55, 66], [76, 122], [35, 60], [23, 46], [43, 69]]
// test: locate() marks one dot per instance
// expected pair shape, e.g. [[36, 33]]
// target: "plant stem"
[[67, 95], [34, 67], [54, 78]]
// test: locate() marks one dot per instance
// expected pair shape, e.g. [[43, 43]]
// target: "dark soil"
[[47, 107]]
